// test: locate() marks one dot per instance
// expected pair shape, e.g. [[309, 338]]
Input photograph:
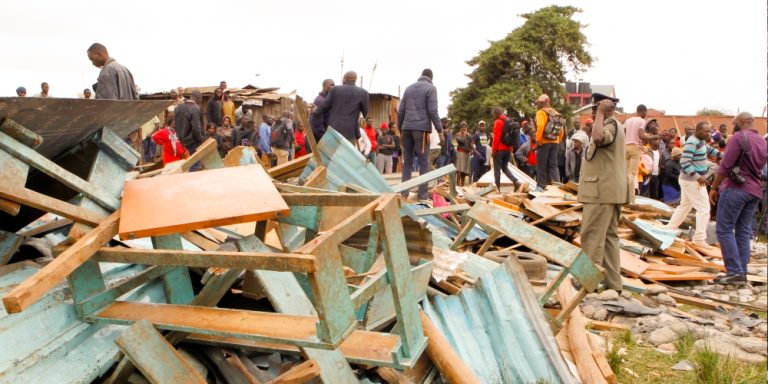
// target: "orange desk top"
[[184, 202]]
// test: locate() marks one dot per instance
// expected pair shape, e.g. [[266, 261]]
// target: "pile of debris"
[[312, 271]]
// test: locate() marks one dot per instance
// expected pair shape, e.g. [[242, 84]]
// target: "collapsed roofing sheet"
[[64, 122], [48, 344], [499, 329]]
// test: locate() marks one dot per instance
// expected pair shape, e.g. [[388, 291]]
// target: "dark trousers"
[[500, 162], [735, 214], [192, 148], [546, 164], [415, 147], [654, 187]]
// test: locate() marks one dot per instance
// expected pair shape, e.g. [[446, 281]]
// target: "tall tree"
[[529, 61], [710, 112]]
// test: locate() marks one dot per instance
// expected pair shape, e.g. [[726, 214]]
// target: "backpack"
[[510, 134], [280, 134], [555, 126]]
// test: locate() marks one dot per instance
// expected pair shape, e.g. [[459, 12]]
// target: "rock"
[[600, 314], [588, 310], [662, 336], [725, 297], [649, 302], [590, 296], [608, 295], [655, 290], [683, 365], [740, 331], [722, 327], [753, 345], [744, 291], [746, 298], [715, 288], [696, 292], [626, 294], [666, 349], [725, 346], [761, 328], [665, 299]]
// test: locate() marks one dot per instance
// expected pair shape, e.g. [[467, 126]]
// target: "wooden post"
[[447, 361]]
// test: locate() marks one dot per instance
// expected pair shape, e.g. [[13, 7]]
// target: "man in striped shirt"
[[693, 184]]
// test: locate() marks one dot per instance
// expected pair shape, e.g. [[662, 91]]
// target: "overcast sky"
[[677, 56]]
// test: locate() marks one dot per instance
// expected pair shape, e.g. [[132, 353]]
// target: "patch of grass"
[[709, 367], [684, 345], [628, 339], [614, 359]]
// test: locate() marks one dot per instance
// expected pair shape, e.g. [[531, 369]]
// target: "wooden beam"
[[289, 168], [49, 204], [441, 210], [50, 226], [298, 374], [425, 178], [156, 359], [58, 173], [589, 371], [288, 262], [332, 199], [35, 287], [447, 361], [205, 149]]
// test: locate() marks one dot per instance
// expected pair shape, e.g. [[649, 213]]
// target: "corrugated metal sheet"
[[499, 329], [65, 122], [48, 344], [665, 236]]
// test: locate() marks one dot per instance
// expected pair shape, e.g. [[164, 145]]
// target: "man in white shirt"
[[43, 90], [654, 187], [434, 148]]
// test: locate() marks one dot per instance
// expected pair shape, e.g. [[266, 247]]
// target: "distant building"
[[580, 94]]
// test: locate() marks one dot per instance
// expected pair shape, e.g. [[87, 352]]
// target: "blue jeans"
[[735, 214], [415, 147]]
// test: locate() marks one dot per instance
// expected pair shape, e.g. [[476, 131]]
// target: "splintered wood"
[[190, 201]]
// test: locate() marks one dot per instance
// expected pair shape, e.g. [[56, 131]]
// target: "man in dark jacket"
[[215, 114], [189, 123], [416, 116], [115, 81], [343, 107], [318, 122]]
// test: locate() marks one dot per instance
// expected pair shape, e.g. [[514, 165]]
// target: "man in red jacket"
[[501, 151], [173, 150]]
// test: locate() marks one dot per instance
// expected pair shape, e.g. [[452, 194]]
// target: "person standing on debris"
[[397, 152], [300, 138], [44, 87], [573, 158], [317, 122], [214, 111], [417, 116], [115, 82], [738, 183], [550, 131], [693, 183], [173, 150], [373, 138], [526, 156], [635, 135], [386, 145], [477, 163], [500, 151], [603, 189], [669, 183], [21, 92], [486, 141], [343, 106], [189, 124]]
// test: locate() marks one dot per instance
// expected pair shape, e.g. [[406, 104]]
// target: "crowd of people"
[[612, 163]]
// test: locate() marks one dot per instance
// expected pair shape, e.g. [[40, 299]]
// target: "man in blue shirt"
[[265, 133]]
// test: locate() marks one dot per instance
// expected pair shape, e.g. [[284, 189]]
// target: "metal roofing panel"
[[500, 330]]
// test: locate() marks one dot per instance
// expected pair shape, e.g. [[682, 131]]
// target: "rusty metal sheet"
[[196, 200], [64, 122]]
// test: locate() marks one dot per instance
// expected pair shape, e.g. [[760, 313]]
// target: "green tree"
[[709, 112], [529, 61]]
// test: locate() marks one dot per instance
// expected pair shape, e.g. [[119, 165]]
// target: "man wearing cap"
[[547, 148], [21, 92], [385, 145], [603, 189]]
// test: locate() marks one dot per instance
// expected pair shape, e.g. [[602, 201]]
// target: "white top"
[[363, 143], [434, 139], [656, 155]]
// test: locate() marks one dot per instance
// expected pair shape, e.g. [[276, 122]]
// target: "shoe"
[[731, 280]]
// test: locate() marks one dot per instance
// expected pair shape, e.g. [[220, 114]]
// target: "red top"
[[300, 136], [371, 136], [163, 137], [532, 155], [498, 129]]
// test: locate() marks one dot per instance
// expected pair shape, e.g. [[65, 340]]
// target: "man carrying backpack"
[[283, 138], [549, 133], [503, 145]]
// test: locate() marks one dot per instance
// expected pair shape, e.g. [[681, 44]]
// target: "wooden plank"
[[672, 269], [589, 371], [205, 149], [441, 210], [692, 276], [421, 179], [146, 212], [200, 241], [266, 326], [606, 326], [290, 168], [9, 243], [631, 263], [698, 302], [48, 204], [334, 199], [298, 374], [56, 271], [47, 227], [288, 262], [694, 263], [13, 172], [445, 358], [58, 173], [157, 360], [706, 251]]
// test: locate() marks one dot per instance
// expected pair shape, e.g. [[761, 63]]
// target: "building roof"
[[681, 121], [608, 90]]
